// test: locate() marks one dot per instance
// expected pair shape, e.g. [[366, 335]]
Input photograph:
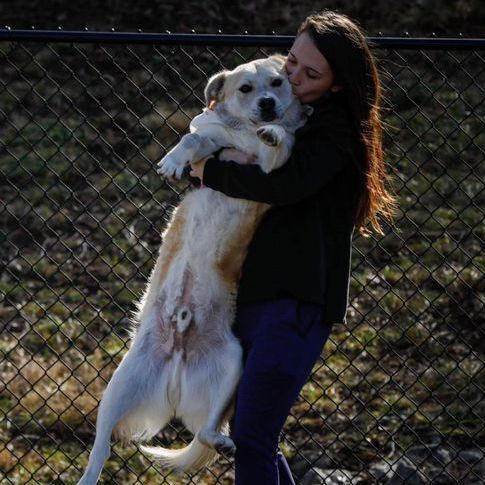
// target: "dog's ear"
[[214, 87], [278, 60]]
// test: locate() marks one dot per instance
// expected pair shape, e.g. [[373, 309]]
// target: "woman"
[[295, 277]]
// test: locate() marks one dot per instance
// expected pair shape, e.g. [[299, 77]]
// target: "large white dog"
[[184, 361]]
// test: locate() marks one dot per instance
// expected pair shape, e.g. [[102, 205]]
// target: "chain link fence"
[[397, 396]]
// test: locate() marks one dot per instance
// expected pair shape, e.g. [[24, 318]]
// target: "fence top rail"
[[59, 36]]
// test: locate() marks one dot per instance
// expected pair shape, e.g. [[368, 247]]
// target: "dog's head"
[[258, 91]]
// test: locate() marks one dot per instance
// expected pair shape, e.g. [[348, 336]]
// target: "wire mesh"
[[397, 395]]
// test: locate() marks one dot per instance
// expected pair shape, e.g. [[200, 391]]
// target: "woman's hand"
[[198, 169], [227, 154]]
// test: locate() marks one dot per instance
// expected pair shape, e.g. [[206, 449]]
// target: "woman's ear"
[[214, 87]]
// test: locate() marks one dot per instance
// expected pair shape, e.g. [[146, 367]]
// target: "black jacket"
[[302, 247]]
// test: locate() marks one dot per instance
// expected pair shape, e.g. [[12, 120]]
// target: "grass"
[[81, 225]]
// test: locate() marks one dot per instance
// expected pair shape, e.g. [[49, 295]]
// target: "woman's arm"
[[306, 171]]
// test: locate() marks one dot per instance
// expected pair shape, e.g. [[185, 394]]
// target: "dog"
[[183, 360]]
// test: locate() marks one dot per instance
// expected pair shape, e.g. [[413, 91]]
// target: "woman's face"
[[309, 72]]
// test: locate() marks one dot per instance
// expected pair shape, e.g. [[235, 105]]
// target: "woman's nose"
[[294, 78]]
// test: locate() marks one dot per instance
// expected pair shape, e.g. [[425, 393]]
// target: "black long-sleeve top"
[[302, 247]]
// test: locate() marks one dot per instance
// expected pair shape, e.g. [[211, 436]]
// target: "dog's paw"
[[225, 446], [269, 135], [171, 166], [222, 444]]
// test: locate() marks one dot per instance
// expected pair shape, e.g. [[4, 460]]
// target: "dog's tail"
[[191, 458]]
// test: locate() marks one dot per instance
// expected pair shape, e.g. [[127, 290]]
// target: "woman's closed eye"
[[308, 73]]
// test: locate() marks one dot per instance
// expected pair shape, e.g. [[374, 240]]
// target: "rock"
[[473, 457], [405, 472], [475, 460], [309, 459], [438, 454], [380, 471], [326, 476], [435, 457]]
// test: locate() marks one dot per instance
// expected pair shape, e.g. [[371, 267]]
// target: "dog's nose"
[[267, 107], [267, 104]]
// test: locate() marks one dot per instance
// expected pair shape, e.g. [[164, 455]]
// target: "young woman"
[[295, 277]]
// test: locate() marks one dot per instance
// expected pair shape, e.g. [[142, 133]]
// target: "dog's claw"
[[226, 450], [268, 135], [224, 445], [170, 167]]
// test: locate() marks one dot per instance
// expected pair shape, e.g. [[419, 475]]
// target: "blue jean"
[[281, 340]]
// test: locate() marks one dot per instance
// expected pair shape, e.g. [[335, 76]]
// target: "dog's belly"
[[195, 302]]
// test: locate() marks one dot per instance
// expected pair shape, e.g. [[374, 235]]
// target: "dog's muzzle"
[[267, 109]]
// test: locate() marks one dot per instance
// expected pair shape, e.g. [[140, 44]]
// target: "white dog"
[[184, 361]]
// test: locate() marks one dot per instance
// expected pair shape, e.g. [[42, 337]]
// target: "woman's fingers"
[[198, 168]]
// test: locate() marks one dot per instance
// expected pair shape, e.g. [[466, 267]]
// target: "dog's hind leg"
[[222, 393], [124, 393]]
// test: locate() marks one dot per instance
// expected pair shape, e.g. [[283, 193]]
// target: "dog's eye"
[[277, 82], [245, 88]]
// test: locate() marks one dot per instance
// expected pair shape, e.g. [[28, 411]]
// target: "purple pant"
[[281, 339]]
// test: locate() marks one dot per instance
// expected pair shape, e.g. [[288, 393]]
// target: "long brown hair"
[[343, 44]]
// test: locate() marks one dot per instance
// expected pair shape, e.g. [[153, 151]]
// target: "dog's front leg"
[[192, 147], [275, 148]]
